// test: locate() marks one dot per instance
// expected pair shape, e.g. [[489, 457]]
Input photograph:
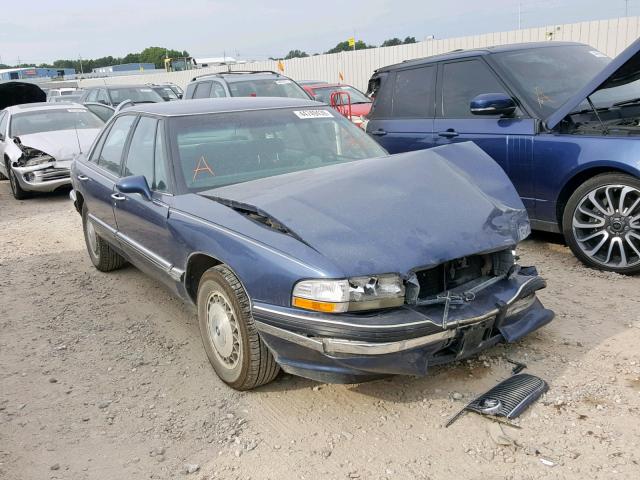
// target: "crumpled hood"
[[392, 214], [61, 144]]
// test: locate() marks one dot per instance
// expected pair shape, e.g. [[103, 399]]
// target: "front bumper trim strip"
[[340, 346]]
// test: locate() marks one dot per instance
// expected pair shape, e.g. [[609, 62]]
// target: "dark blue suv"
[[562, 119]]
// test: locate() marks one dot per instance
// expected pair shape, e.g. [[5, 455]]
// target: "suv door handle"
[[380, 132], [83, 178], [118, 197], [449, 133]]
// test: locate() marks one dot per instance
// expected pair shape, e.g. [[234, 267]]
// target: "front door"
[[142, 222], [401, 119], [509, 141]]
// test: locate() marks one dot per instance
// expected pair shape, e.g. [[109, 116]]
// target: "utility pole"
[[519, 14], [81, 70], [626, 8]]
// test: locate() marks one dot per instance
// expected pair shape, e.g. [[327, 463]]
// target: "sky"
[[40, 31]]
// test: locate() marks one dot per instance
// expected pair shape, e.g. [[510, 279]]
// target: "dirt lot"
[[103, 376]]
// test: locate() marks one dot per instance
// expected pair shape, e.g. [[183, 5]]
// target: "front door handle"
[[379, 133], [118, 197], [449, 133], [83, 178]]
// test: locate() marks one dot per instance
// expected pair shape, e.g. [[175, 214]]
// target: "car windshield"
[[52, 120], [267, 87], [136, 95], [221, 149], [547, 77], [323, 94]]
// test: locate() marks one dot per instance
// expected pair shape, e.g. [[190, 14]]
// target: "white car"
[[61, 92], [38, 142]]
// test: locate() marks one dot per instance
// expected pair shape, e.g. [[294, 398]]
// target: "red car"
[[349, 101]]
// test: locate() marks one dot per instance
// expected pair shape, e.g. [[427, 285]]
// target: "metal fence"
[[609, 36]]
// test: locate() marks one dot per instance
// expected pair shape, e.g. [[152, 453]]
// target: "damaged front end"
[[451, 311], [36, 170]]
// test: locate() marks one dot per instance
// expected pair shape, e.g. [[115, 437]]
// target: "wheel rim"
[[606, 226], [92, 237], [223, 329]]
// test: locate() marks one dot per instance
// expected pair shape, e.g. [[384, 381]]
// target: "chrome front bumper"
[[44, 178]]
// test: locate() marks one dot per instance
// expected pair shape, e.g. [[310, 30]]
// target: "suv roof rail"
[[239, 72]]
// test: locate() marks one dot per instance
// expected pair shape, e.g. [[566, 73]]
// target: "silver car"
[[38, 142]]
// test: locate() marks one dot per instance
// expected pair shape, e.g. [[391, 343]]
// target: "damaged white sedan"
[[38, 142]]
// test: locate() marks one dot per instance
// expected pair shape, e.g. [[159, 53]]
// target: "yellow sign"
[[352, 42]]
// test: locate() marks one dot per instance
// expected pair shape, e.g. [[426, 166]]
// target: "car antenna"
[[605, 130], [75, 127]]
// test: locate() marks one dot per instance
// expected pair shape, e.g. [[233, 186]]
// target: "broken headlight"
[[357, 293], [33, 156]]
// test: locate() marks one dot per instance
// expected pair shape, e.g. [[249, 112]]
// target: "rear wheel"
[[230, 338], [102, 255], [601, 223]]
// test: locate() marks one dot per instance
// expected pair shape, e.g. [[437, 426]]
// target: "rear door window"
[[202, 90], [111, 154], [4, 116], [217, 90], [461, 82], [141, 149], [414, 92]]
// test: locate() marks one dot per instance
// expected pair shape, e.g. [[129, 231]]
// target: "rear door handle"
[[380, 132], [450, 133], [83, 178], [118, 197]]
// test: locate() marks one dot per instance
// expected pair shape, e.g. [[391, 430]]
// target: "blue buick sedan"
[[303, 245]]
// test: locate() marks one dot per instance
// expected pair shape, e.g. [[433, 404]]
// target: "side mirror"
[[135, 184], [493, 104]]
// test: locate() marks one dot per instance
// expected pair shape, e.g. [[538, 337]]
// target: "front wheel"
[[601, 223], [16, 189], [230, 338]]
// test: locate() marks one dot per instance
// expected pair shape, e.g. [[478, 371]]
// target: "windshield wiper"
[[627, 102]]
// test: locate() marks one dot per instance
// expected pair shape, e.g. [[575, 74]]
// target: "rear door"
[[98, 175], [401, 118], [142, 223], [509, 141]]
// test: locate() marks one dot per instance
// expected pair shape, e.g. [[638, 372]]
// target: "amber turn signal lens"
[[326, 307]]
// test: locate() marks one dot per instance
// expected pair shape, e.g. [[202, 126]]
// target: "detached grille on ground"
[[507, 399]]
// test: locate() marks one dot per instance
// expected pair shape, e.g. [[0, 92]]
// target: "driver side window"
[[4, 119]]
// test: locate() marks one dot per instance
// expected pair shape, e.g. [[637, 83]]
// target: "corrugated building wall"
[[609, 36]]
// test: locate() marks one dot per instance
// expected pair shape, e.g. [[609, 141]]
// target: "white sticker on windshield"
[[145, 89], [76, 110], [313, 113], [598, 54], [282, 82]]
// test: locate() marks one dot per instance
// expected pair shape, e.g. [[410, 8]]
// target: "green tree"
[[392, 42], [409, 40], [344, 47], [296, 54]]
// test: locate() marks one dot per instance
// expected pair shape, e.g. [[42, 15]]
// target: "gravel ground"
[[103, 376]]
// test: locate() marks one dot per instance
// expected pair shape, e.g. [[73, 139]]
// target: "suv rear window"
[[406, 93], [267, 87]]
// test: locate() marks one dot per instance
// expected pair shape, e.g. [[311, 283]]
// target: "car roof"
[[239, 76], [475, 52], [116, 86], [25, 107], [219, 105]]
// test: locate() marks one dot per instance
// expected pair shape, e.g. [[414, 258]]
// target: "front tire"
[[230, 338], [102, 255], [16, 189], [601, 223]]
